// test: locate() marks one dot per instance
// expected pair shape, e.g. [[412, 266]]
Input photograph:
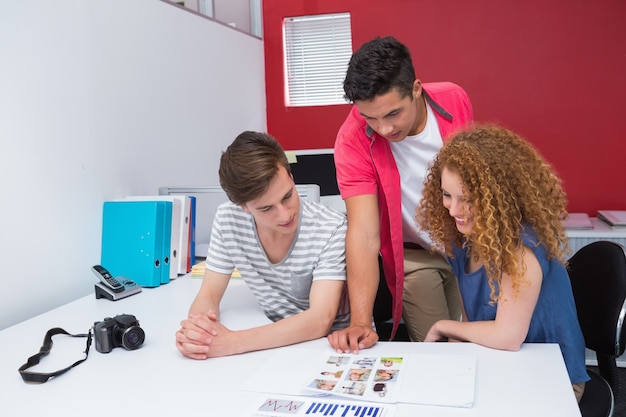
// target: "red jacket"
[[365, 165]]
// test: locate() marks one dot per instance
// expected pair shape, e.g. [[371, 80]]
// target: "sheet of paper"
[[442, 380]]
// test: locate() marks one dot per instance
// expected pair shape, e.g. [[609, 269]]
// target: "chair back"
[[598, 276]]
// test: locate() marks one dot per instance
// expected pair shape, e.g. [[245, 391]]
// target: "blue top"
[[554, 319]]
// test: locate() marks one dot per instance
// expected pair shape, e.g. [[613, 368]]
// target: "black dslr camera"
[[120, 331]]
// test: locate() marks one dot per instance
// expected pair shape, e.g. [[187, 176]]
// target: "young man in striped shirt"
[[289, 251]]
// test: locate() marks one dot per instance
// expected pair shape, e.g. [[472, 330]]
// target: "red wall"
[[552, 70]]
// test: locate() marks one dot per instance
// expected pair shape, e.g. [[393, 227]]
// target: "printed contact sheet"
[[371, 378]]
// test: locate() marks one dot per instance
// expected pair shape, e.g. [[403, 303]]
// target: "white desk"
[[156, 380]]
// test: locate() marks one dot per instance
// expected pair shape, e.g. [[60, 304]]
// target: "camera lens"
[[133, 337]]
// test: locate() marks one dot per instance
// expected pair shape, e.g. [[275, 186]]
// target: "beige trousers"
[[430, 292]]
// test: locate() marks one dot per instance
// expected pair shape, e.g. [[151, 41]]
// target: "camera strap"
[[41, 377]]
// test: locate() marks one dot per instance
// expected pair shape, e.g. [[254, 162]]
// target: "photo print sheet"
[[386, 377], [363, 377]]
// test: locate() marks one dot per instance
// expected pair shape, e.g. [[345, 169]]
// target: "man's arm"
[[196, 333], [362, 248], [324, 299], [210, 293]]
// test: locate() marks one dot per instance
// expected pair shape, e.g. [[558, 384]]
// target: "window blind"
[[317, 51]]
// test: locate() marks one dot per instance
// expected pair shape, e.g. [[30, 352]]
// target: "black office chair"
[[598, 276], [383, 312]]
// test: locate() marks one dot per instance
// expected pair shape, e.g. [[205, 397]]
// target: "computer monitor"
[[316, 166]]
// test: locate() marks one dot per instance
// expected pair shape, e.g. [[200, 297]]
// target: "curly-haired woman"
[[495, 207]]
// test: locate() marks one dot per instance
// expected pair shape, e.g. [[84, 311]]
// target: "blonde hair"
[[507, 185]]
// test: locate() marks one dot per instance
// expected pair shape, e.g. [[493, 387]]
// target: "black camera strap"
[[41, 377]]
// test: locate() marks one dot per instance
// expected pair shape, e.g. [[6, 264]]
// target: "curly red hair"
[[508, 184]]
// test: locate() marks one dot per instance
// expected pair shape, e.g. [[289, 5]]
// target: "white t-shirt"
[[282, 289], [413, 156]]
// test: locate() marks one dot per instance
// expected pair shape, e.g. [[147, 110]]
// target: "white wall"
[[101, 99], [233, 12]]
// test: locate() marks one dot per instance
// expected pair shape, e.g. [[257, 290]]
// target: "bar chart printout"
[[318, 408]]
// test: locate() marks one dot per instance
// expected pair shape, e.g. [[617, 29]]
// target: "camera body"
[[120, 331]]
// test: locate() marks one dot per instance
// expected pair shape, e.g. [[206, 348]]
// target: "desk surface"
[[157, 380]]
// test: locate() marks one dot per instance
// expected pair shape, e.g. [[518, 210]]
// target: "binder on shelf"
[[166, 241], [578, 221], [179, 233], [186, 226], [614, 218], [136, 240], [192, 234]]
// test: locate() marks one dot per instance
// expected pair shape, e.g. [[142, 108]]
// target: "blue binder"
[[192, 234], [166, 248], [136, 240]]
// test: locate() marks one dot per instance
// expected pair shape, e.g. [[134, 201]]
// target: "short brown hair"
[[249, 164]]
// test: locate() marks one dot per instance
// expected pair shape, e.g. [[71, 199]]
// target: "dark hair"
[[376, 68], [249, 164]]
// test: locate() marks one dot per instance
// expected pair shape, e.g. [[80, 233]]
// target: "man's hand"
[[351, 339], [196, 335]]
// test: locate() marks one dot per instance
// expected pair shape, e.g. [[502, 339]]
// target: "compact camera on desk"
[[120, 331]]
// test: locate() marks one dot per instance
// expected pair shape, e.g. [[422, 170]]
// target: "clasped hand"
[[353, 338], [202, 336]]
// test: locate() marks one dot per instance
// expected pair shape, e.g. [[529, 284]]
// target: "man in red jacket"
[[382, 152]]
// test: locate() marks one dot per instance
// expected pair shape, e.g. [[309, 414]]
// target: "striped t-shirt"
[[282, 289]]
